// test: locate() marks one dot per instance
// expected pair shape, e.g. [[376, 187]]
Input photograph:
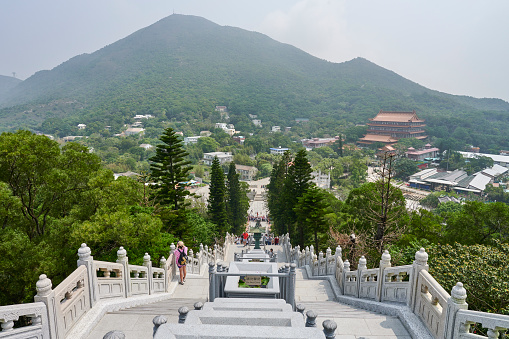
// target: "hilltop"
[[182, 66], [6, 84]]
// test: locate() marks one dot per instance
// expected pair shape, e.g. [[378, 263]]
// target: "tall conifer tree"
[[217, 198], [238, 203], [169, 167]]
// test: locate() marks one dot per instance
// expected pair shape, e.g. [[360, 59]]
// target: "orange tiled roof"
[[397, 116], [378, 138]]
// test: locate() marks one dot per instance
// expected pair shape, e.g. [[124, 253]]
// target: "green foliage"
[[404, 168], [483, 270], [311, 210], [237, 201], [169, 167], [217, 198]]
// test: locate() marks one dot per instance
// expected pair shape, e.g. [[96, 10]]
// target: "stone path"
[[315, 295]]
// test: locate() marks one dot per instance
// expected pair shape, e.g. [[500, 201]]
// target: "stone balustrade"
[[58, 309], [445, 315]]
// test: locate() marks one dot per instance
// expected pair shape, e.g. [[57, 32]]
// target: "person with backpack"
[[181, 260]]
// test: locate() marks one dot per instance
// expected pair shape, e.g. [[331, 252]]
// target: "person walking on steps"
[[181, 260]]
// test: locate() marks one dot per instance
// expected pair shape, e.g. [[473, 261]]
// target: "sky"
[[453, 46]]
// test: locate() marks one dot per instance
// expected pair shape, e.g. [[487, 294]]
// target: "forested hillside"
[[6, 84], [179, 68]]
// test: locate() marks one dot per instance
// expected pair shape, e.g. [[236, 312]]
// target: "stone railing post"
[[384, 263], [308, 257], [172, 263], [362, 266], [114, 335], [148, 264], [126, 275], [158, 321], [346, 268], [329, 329], [163, 266], [296, 255], [46, 295], [455, 303], [420, 263], [311, 318], [183, 311], [86, 259], [212, 281], [191, 261], [291, 285], [328, 255]]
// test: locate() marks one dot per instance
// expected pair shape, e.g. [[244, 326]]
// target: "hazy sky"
[[454, 46]]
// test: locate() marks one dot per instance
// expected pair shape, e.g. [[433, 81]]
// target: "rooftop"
[[397, 116]]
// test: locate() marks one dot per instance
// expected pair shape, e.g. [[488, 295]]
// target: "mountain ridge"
[[186, 63]]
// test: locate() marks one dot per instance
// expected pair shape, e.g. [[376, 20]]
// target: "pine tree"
[[275, 199], [237, 201], [169, 167], [297, 181], [217, 192]]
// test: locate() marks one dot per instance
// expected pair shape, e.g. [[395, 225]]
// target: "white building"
[[276, 128], [221, 125], [257, 122], [320, 179], [82, 126], [146, 146], [133, 131], [223, 157], [191, 140], [502, 160], [280, 150], [140, 116]]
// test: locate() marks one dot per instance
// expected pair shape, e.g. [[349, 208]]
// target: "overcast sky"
[[454, 46]]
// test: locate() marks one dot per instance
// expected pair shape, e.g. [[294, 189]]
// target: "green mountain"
[[182, 66], [7, 84]]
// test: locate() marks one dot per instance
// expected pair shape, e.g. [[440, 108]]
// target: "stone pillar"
[[198, 305], [308, 257], [183, 311], [86, 259], [162, 264], [329, 329], [190, 261], [455, 303], [362, 266], [46, 295], [158, 321], [311, 318], [148, 264], [328, 256], [384, 263], [346, 268], [173, 266], [291, 285], [212, 281], [126, 276], [420, 263], [297, 254], [301, 308]]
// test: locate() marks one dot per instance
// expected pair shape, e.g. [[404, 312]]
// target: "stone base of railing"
[[86, 324], [412, 323]]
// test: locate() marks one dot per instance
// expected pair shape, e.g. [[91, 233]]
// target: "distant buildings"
[[223, 157], [82, 126], [146, 146], [239, 139], [228, 128], [389, 127], [139, 116], [257, 122], [246, 172], [280, 150], [191, 140], [427, 152], [320, 179], [502, 160], [318, 142], [134, 131], [276, 129], [300, 120]]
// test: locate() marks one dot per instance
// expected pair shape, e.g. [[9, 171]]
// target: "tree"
[[275, 201], [46, 179], [237, 201], [381, 207], [217, 198], [404, 167], [169, 168], [311, 209], [297, 181]]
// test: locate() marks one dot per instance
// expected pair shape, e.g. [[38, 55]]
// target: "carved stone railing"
[[37, 327], [445, 316]]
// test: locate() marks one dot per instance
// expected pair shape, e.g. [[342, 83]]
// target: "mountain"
[[182, 66], [6, 84]]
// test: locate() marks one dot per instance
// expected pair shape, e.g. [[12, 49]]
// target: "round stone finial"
[[362, 263], [459, 293], [198, 305], [328, 251], [159, 320], [84, 252], [43, 285], [311, 318], [329, 328], [386, 257], [121, 254], [421, 257], [163, 262], [146, 258], [114, 335], [346, 265], [172, 247]]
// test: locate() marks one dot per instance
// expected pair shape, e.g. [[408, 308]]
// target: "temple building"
[[389, 127]]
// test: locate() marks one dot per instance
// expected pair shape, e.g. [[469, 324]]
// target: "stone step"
[[333, 309]]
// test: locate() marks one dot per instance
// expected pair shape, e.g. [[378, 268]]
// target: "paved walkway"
[[315, 295]]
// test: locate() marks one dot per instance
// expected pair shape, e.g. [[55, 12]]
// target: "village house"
[[388, 127], [276, 129], [247, 173], [280, 150], [134, 131], [205, 133], [82, 126], [239, 139], [318, 142], [428, 152], [140, 116], [191, 140], [146, 146], [257, 122], [223, 157]]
